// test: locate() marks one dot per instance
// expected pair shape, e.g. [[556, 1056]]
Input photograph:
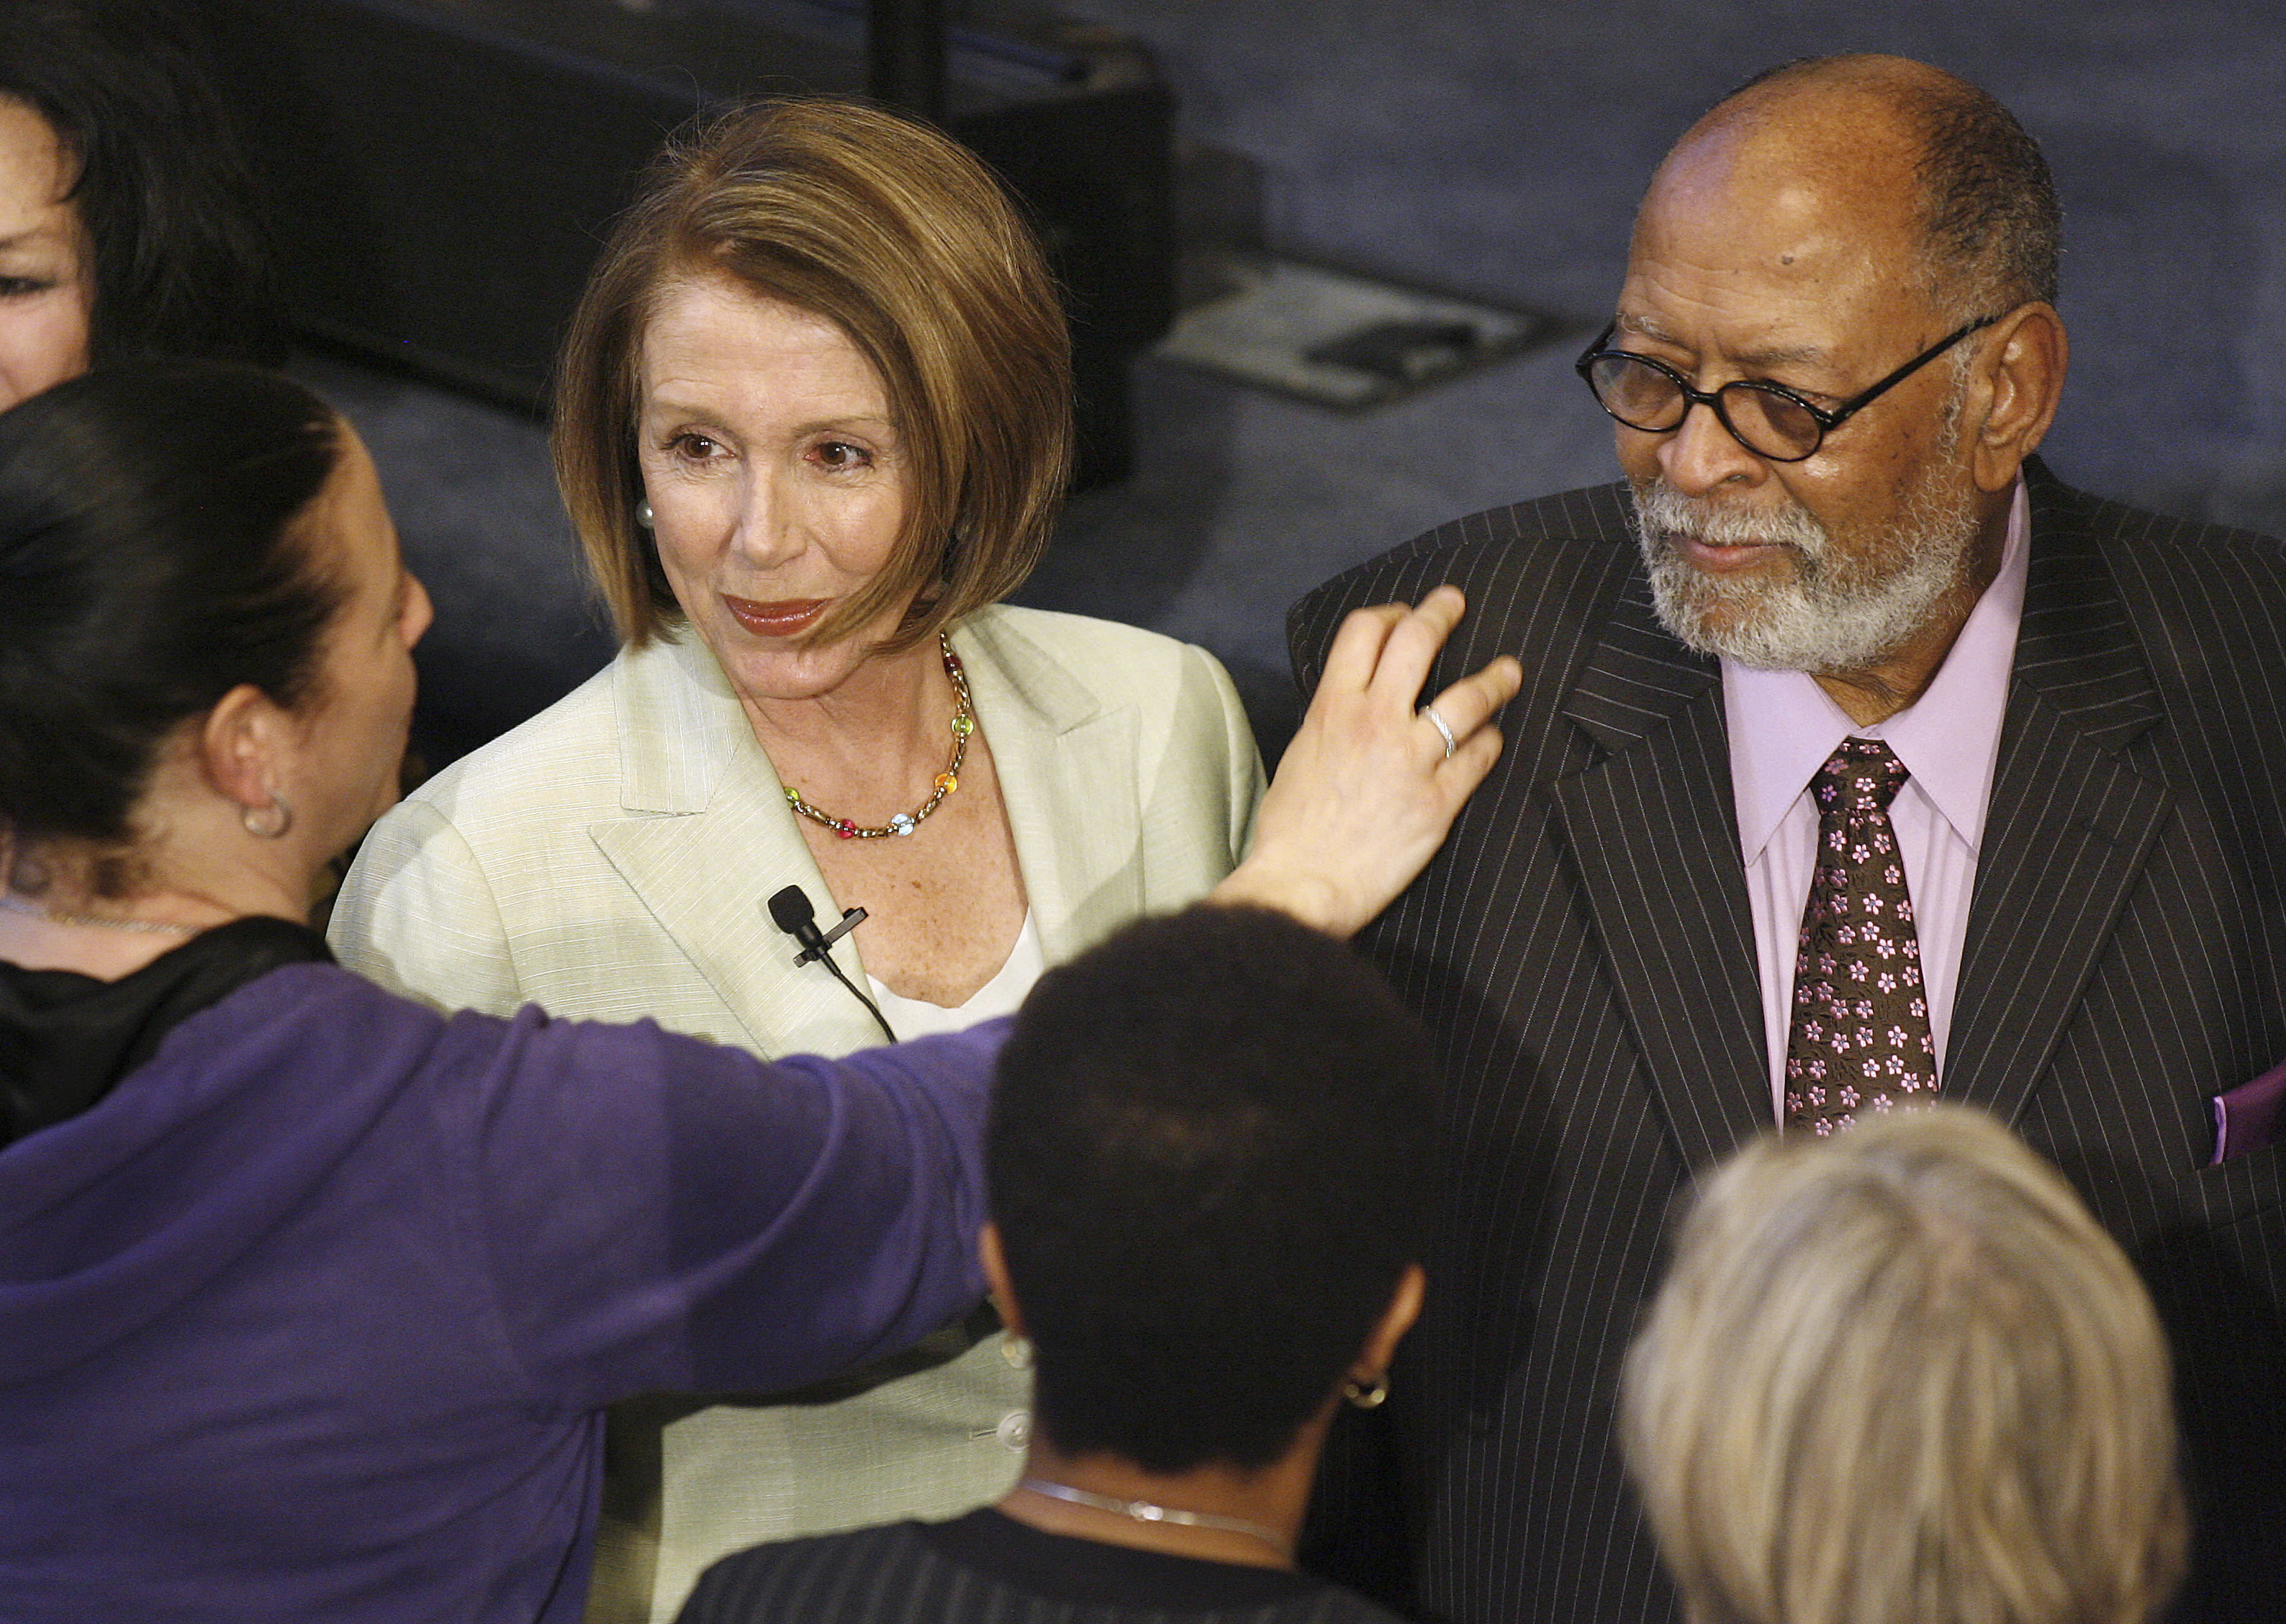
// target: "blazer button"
[[1014, 1431]]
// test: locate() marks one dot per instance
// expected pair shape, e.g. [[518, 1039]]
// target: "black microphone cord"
[[825, 957], [792, 912]]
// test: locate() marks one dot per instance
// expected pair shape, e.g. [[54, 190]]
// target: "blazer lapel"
[[708, 841], [1066, 765], [1654, 834], [2071, 823]]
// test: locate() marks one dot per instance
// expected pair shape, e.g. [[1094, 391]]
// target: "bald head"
[[1900, 156]]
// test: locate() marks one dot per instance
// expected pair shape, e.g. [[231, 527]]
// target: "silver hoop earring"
[[268, 822], [642, 513], [1367, 1395]]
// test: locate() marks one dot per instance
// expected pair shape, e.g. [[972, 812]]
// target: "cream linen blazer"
[[610, 860]]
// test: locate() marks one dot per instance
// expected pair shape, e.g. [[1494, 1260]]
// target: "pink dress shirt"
[[1782, 728]]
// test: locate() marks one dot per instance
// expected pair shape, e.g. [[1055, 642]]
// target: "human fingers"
[[1356, 650], [1459, 774], [1469, 704], [1350, 821], [1443, 782], [1411, 645], [1365, 793]]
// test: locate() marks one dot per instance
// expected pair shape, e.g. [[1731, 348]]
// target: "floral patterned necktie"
[[1860, 1035]]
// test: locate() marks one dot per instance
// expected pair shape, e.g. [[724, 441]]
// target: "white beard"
[[1839, 612]]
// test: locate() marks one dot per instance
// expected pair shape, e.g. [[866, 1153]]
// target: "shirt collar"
[[1782, 725]]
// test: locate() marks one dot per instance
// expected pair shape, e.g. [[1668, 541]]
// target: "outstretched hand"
[[1367, 791]]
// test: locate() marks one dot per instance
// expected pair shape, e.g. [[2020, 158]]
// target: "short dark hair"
[[150, 562], [1209, 1160], [1992, 224], [1995, 226], [181, 264]]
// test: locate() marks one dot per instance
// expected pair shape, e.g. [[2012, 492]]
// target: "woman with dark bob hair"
[[126, 225], [313, 1296], [813, 423]]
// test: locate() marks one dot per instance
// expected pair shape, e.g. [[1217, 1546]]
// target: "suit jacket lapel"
[[708, 841], [2071, 823], [1653, 832], [1066, 765]]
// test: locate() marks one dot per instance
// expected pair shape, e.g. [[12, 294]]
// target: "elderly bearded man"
[[1858, 761]]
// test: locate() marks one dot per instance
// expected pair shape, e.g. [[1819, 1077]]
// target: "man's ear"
[[238, 746], [2025, 381], [996, 1279]]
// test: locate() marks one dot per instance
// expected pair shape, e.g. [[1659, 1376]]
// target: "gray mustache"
[[1666, 513]]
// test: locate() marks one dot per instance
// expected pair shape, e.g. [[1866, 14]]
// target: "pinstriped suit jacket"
[[1583, 949]]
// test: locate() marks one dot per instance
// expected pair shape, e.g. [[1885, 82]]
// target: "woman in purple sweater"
[[310, 1297]]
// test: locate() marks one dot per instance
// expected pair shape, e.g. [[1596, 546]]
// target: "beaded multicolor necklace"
[[963, 723]]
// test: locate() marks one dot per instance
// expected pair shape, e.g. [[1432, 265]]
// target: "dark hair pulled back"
[[150, 562]]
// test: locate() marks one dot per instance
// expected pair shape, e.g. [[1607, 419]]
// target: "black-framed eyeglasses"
[[1768, 419]]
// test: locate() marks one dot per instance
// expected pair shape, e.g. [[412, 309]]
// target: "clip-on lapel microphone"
[[792, 912]]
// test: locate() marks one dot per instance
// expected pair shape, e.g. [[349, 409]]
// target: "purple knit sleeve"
[[662, 1213]]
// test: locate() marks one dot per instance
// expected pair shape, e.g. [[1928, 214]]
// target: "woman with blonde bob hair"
[[813, 420], [1900, 1376]]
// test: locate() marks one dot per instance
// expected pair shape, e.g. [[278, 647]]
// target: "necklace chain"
[[1146, 1511], [963, 723], [57, 916]]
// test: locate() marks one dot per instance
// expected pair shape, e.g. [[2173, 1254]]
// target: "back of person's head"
[[182, 266], [1209, 1162], [150, 562], [1900, 1376]]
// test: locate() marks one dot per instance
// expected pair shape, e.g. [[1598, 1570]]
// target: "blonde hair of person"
[[1900, 1376], [902, 240]]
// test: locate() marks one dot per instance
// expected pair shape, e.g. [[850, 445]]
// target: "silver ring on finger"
[[1443, 733]]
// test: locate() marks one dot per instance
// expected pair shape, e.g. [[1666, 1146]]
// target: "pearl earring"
[[268, 822], [642, 513]]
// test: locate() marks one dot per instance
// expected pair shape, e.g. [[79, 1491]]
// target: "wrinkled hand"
[[1366, 791]]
